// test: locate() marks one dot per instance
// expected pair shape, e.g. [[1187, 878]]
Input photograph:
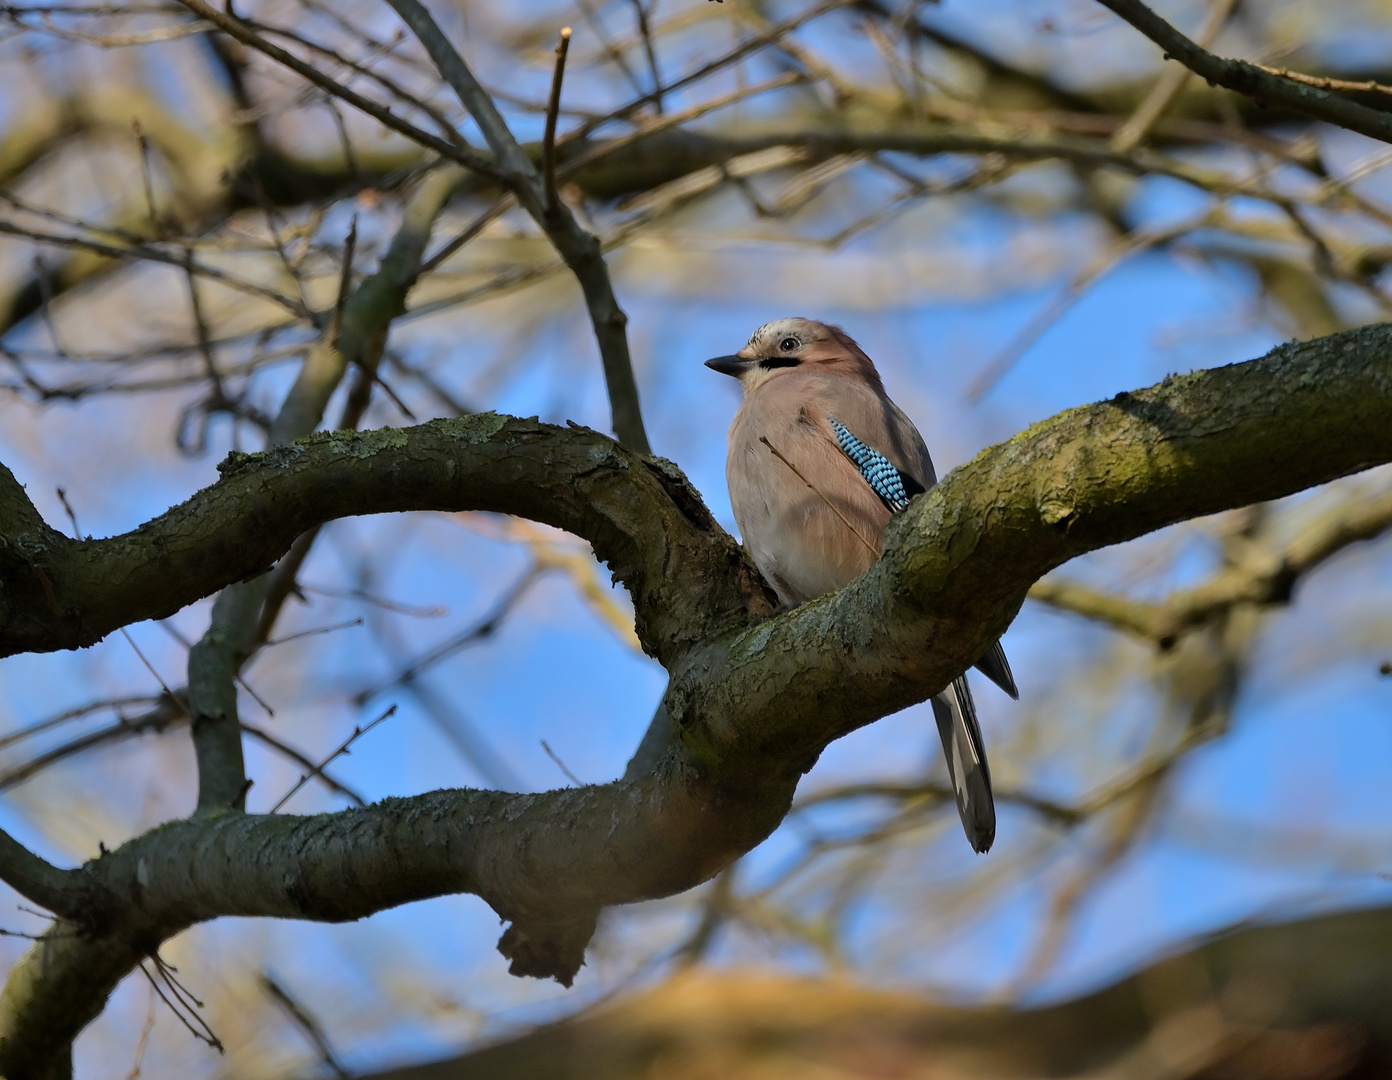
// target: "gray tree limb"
[[753, 700]]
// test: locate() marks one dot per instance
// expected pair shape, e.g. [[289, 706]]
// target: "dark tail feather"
[[955, 713], [996, 667]]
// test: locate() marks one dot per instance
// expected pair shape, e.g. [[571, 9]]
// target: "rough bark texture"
[[753, 700]]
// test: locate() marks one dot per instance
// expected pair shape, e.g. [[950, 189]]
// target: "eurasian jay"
[[819, 459]]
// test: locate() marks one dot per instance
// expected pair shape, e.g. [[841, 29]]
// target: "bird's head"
[[795, 344]]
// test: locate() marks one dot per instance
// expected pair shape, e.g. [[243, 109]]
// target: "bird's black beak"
[[730, 365]]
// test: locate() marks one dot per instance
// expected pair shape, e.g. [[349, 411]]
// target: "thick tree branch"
[[578, 479], [639, 513], [753, 700], [64, 892]]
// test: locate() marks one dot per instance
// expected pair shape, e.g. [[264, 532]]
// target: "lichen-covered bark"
[[753, 700]]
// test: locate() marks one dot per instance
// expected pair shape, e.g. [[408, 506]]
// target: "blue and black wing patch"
[[894, 487]]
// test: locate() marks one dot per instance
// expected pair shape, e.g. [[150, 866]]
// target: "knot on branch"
[[1058, 510], [550, 950]]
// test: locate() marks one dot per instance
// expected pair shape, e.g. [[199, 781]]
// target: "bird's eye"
[[789, 344]]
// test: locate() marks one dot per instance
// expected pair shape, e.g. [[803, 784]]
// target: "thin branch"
[[553, 108], [306, 1023], [202, 1032], [392, 87], [935, 792], [769, 36], [433, 611], [345, 279], [1367, 86], [172, 631], [479, 631], [313, 633], [611, 51], [561, 764], [156, 229], [167, 713], [1252, 80], [343, 748], [153, 254], [458, 153], [72, 517], [580, 250], [1133, 244], [144, 1039], [280, 747], [74, 714], [1065, 814], [641, 12], [499, 207], [1169, 85], [202, 334], [1262, 577]]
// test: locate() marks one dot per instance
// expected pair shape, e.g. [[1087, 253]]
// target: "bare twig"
[[201, 332], [548, 143], [313, 633], [167, 713], [1168, 86], [561, 764], [172, 631], [479, 631], [434, 611], [318, 770], [345, 280], [391, 86], [156, 229], [769, 36], [144, 1040], [1263, 577], [1367, 86], [154, 254], [72, 517], [645, 31], [580, 250], [73, 714], [201, 1031], [280, 747], [302, 1018], [1138, 241], [234, 27], [148, 666], [499, 207], [1252, 80]]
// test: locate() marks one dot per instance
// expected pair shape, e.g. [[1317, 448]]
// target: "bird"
[[818, 460]]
